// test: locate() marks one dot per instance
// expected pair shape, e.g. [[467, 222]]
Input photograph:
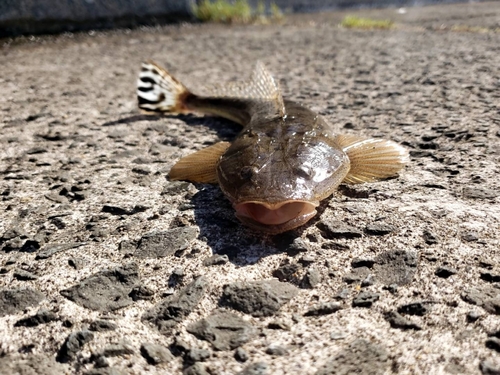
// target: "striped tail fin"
[[158, 91]]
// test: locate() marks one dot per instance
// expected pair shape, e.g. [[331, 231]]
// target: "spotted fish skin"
[[285, 160]]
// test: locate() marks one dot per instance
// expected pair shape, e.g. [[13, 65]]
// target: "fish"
[[285, 160]]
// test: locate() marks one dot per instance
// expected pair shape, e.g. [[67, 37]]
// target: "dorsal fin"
[[262, 86]]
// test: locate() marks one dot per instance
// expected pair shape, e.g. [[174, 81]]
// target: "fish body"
[[285, 160]]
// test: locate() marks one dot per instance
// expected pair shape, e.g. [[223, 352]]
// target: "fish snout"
[[275, 217]]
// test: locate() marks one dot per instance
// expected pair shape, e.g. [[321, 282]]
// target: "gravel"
[[87, 211]]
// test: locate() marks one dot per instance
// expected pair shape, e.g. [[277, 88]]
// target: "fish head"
[[276, 184]]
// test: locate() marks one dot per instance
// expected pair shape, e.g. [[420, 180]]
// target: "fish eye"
[[246, 173], [305, 172]]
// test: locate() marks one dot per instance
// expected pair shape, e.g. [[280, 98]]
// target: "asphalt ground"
[[99, 250]]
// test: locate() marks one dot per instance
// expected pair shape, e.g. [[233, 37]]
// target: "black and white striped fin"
[[158, 91]]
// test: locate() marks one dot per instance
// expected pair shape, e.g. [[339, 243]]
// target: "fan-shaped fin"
[[200, 166], [262, 86], [372, 159]]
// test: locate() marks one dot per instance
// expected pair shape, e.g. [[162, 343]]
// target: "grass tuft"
[[237, 11], [354, 22], [469, 29]]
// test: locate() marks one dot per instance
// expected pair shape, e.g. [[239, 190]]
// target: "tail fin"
[[158, 91]]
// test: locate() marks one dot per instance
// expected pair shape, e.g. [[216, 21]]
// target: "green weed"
[[238, 11], [354, 22]]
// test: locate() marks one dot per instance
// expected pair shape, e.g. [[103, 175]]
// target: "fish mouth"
[[275, 217]]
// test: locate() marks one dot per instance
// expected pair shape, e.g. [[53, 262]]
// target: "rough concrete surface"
[[399, 276]]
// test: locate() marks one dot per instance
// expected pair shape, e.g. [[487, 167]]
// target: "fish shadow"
[[225, 129], [131, 120], [226, 235]]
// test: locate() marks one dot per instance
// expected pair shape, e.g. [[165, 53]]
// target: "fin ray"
[[262, 86], [372, 159], [200, 166], [158, 91]]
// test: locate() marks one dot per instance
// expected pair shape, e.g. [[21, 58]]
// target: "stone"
[[141, 292], [365, 299], [297, 246], [224, 330], [342, 294], [445, 272], [430, 238], [362, 262], [34, 364], [415, 308], [478, 193], [337, 335], [241, 355], [215, 260], [179, 347], [279, 324], [379, 229], [487, 297], [395, 267], [51, 249], [491, 277], [360, 357], [156, 354], [257, 368], [23, 275], [398, 321], [141, 170], [77, 263], [100, 361], [176, 277], [307, 260], [41, 317], [166, 243], [176, 188], [455, 367], [197, 355], [102, 325], [13, 301], [368, 281], [118, 349], [127, 248], [357, 275], [311, 279], [493, 343], [469, 236], [473, 316], [105, 371], [72, 345], [120, 211], [287, 271], [276, 350], [258, 298], [196, 369], [175, 308], [324, 308], [337, 229], [106, 290]]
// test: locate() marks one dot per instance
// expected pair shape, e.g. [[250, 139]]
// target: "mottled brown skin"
[[290, 161]]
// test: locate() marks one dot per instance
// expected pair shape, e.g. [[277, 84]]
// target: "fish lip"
[[308, 212]]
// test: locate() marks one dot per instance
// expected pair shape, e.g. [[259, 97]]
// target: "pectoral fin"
[[200, 166], [372, 159]]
